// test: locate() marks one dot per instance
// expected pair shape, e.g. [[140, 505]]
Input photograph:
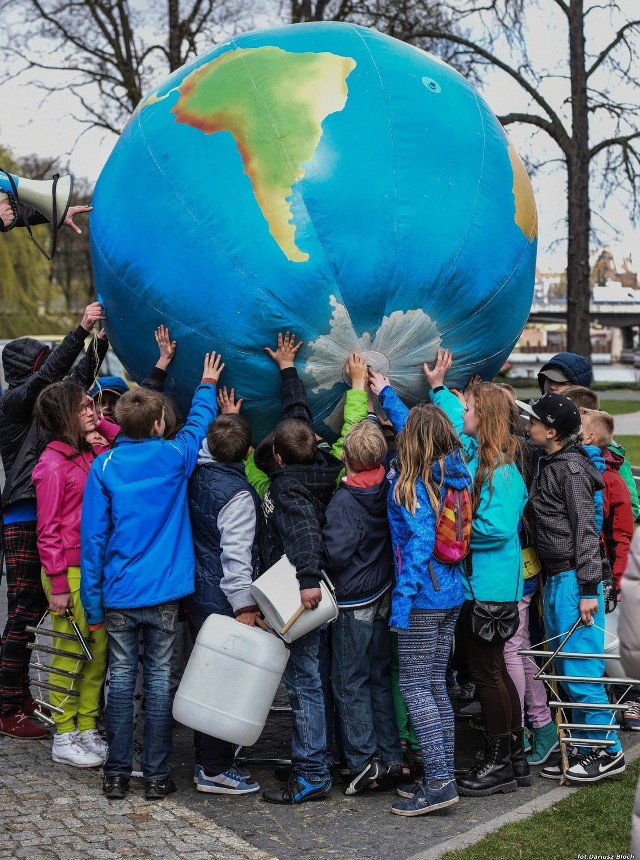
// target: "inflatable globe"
[[323, 179]]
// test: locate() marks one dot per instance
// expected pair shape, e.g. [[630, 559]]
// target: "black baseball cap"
[[555, 411]]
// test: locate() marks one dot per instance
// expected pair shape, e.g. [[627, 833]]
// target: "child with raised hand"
[[67, 414], [487, 426], [137, 562], [261, 463], [294, 512], [360, 563], [225, 519], [29, 367], [427, 596]]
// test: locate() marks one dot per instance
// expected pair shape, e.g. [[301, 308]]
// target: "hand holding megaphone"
[[49, 197]]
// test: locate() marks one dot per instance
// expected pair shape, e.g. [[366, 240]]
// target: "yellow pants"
[[80, 711]]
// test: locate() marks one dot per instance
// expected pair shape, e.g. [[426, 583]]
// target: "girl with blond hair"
[[487, 425], [427, 596]]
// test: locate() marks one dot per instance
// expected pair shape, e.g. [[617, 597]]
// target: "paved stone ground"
[[54, 812]]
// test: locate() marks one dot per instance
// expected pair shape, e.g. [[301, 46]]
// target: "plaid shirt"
[[294, 511], [294, 505], [561, 501]]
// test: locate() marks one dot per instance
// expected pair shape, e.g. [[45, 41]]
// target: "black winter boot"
[[493, 773], [519, 759]]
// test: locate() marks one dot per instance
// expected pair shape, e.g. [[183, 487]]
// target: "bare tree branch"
[[606, 52]]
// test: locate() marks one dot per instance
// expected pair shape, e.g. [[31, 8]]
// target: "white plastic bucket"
[[230, 680], [277, 593]]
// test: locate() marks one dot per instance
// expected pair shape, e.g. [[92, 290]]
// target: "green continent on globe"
[[273, 102], [526, 216]]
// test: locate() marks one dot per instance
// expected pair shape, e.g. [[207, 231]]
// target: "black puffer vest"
[[211, 487]]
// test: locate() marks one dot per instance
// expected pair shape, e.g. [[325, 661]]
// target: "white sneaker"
[[92, 740], [68, 749]]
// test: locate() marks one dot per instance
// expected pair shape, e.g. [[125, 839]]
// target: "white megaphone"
[[51, 197]]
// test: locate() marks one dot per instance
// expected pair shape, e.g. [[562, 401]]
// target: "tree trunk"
[[579, 214], [175, 36]]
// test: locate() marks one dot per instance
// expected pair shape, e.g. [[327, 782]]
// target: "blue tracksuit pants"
[[561, 609]]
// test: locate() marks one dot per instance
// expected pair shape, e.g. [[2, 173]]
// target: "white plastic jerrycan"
[[613, 666], [277, 593], [230, 680]]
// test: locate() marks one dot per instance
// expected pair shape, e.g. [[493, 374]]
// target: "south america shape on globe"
[[324, 179]]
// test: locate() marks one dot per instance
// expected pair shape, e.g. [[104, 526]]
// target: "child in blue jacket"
[[487, 426], [137, 561], [426, 599]]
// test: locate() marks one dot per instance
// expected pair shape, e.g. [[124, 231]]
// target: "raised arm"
[[167, 349], [18, 402], [356, 400], [203, 410], [395, 409], [292, 391]]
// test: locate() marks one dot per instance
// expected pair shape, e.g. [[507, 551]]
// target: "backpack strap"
[[434, 578]]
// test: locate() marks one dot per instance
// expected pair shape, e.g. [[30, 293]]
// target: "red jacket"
[[617, 527], [59, 478]]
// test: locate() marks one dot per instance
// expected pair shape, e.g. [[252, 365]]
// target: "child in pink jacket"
[[67, 414]]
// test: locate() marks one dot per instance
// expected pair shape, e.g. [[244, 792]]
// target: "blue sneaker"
[[427, 799], [407, 789], [229, 782], [242, 772], [298, 790]]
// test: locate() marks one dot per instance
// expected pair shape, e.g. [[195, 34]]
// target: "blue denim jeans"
[[158, 625], [361, 671], [303, 681], [561, 609]]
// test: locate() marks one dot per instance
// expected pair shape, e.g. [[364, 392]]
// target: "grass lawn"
[[595, 820], [632, 444], [619, 407]]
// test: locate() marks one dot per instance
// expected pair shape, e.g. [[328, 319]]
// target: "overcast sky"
[[32, 122]]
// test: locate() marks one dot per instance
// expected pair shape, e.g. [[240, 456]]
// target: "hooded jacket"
[[627, 476], [562, 502], [225, 515], [29, 367], [136, 541], [595, 455], [617, 528], [575, 367], [493, 572], [357, 543], [413, 535], [59, 478]]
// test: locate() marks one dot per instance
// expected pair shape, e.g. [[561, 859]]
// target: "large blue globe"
[[320, 178]]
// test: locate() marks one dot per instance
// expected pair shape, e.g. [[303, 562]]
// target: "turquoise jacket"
[[496, 556], [422, 582]]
